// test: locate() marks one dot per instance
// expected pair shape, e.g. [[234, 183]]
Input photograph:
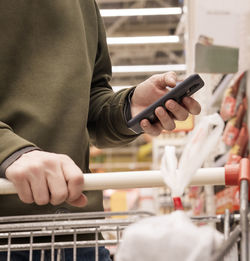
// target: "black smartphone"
[[185, 88]]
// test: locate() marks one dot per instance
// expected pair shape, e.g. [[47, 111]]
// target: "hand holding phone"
[[185, 88]]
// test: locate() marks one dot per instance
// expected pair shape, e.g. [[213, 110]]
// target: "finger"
[[21, 184], [192, 105], [82, 201], [166, 79], [39, 189], [74, 177], [151, 129], [24, 191], [165, 119], [170, 79], [178, 111], [57, 185]]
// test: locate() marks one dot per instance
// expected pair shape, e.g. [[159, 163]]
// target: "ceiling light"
[[143, 39], [148, 68], [141, 11]]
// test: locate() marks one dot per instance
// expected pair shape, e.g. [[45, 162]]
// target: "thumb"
[[166, 79], [82, 201]]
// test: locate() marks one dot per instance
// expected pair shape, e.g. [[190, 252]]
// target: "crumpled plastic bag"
[[201, 142], [170, 237]]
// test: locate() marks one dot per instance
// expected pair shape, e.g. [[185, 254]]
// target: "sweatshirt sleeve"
[[106, 120], [10, 143]]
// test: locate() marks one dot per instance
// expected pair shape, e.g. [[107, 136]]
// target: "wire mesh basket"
[[59, 231]]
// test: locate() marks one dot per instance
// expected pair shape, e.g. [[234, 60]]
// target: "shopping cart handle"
[[228, 175], [134, 179]]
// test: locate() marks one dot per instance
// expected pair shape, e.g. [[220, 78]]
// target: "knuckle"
[[156, 133], [54, 202], [35, 167], [155, 76], [152, 130], [160, 112], [197, 110], [42, 201], [77, 179], [73, 196], [58, 198], [49, 161], [171, 73], [171, 126], [26, 200], [17, 174], [184, 116]]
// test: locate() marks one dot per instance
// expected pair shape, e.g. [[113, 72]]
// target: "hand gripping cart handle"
[[230, 175]]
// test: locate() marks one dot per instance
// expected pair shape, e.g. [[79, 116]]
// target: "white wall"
[[228, 23]]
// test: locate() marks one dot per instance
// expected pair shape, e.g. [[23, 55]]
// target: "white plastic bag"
[[170, 237], [175, 237], [201, 142]]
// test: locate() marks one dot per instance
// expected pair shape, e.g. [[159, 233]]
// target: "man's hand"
[[151, 90], [44, 177]]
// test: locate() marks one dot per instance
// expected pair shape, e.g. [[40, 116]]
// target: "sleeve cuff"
[[13, 157], [127, 106], [127, 109], [122, 114]]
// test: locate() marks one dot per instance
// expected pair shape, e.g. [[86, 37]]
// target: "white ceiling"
[[143, 54]]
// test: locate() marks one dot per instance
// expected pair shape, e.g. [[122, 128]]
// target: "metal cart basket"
[[63, 224]]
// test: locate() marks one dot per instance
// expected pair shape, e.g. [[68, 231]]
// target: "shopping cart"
[[64, 224]]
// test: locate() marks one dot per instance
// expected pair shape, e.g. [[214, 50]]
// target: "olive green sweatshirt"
[[54, 87]]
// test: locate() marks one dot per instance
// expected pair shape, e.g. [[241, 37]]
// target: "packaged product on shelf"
[[228, 198], [218, 91], [121, 200], [234, 159], [228, 106], [233, 126], [147, 200], [198, 204], [240, 145]]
